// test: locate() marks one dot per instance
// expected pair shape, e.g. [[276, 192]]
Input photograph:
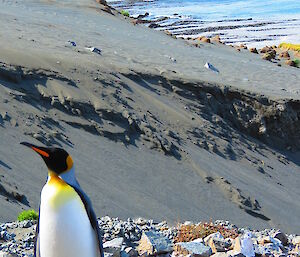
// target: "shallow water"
[[252, 22]]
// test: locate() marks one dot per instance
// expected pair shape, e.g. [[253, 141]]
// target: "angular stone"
[[282, 237], [154, 243], [237, 245], [4, 254], [296, 240], [217, 242], [216, 235], [195, 249], [247, 247], [113, 247], [290, 63], [253, 50], [129, 251], [284, 54]]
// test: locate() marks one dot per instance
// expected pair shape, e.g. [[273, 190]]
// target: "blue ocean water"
[[251, 22], [214, 9]]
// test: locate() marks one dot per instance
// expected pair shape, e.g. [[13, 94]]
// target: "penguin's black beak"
[[43, 151]]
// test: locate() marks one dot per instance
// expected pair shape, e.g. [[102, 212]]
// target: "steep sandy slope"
[[150, 136]]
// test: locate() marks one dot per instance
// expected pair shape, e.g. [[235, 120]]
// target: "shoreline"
[[250, 31], [277, 54]]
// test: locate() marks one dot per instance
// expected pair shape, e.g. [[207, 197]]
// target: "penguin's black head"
[[56, 159]]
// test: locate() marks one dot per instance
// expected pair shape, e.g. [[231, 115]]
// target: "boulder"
[[296, 240], [113, 247], [129, 252], [290, 63], [237, 245], [216, 39], [204, 39], [101, 2], [282, 237], [154, 243], [265, 49], [232, 253], [247, 247], [217, 242], [253, 50], [220, 254], [4, 254], [195, 249], [267, 57], [284, 54], [264, 240]]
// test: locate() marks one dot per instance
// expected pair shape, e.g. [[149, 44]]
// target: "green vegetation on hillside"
[[125, 13], [28, 215]]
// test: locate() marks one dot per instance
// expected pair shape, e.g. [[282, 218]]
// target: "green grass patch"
[[297, 62], [28, 215], [125, 13]]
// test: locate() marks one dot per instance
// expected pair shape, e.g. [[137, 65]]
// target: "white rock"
[[117, 243], [113, 247], [247, 247]]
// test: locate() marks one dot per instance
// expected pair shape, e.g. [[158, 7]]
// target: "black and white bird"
[[67, 225]]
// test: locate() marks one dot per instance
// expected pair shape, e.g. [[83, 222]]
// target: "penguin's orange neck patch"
[[55, 180], [58, 191]]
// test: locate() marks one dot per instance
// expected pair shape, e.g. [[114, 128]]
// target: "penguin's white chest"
[[65, 229]]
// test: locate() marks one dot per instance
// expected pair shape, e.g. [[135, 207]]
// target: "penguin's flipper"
[[37, 239], [92, 217]]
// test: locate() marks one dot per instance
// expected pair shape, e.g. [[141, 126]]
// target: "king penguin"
[[67, 225]]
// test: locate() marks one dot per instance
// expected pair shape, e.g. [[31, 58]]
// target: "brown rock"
[[243, 46], [284, 54], [267, 56], [237, 245], [101, 2], [265, 49], [253, 50], [216, 39], [290, 63], [204, 39], [264, 240], [199, 38]]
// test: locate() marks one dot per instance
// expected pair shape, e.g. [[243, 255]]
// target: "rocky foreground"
[[141, 237], [153, 129]]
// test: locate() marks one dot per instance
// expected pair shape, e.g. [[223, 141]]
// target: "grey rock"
[[282, 237], [154, 243], [196, 249], [113, 246], [4, 254]]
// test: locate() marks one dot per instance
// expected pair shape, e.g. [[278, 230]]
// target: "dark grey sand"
[[153, 133]]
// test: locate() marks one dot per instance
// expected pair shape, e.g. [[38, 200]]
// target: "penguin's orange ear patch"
[[41, 152]]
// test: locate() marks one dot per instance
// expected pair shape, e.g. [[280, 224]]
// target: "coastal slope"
[[153, 133]]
